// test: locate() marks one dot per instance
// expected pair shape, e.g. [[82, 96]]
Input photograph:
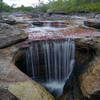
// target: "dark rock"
[[71, 89], [84, 54], [93, 24], [38, 23], [95, 96], [6, 95], [11, 22], [50, 23], [57, 12]]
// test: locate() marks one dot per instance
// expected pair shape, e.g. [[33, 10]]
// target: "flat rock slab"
[[10, 35]]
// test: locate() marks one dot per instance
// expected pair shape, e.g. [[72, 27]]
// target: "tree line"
[[58, 5]]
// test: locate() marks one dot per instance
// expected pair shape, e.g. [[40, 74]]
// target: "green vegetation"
[[22, 8], [75, 5], [84, 5], [72, 6], [4, 7], [59, 5]]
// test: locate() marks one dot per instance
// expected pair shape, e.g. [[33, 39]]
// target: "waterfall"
[[51, 62], [54, 58]]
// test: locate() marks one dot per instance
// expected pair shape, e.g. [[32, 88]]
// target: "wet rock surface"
[[17, 82], [85, 53], [85, 78], [11, 78], [6, 95], [94, 24], [10, 35], [83, 84]]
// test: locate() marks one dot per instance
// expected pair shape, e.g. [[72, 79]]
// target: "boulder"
[[11, 22], [29, 91], [90, 79], [10, 35], [16, 82], [92, 23]]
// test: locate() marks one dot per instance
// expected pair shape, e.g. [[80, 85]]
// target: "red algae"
[[51, 33], [43, 34]]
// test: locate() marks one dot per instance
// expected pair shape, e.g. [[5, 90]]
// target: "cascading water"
[[51, 63]]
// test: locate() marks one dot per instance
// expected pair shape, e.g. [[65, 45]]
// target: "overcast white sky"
[[24, 2]]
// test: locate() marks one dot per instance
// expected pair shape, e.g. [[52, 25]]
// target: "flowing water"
[[51, 63]]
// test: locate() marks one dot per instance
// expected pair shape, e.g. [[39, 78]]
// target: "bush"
[[4, 7], [59, 5]]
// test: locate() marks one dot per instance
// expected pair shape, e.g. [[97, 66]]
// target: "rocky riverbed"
[[17, 30]]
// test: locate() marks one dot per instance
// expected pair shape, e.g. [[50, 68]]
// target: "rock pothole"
[[83, 55]]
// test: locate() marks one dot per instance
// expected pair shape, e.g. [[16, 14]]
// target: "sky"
[[24, 2]]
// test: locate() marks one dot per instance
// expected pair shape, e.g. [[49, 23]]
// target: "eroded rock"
[[10, 35], [17, 82], [24, 88], [90, 80]]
